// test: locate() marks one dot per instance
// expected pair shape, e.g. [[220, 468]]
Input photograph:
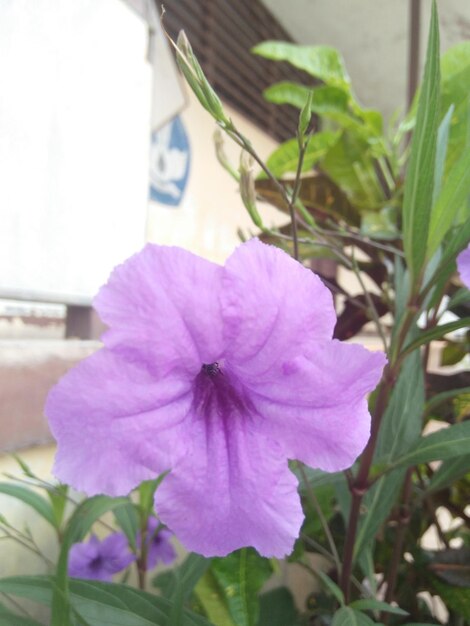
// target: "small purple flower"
[[220, 375], [463, 265], [159, 548], [99, 560]]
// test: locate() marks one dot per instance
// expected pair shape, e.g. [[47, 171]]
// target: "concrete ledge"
[[28, 369]]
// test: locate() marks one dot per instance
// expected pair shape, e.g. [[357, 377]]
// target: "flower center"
[[217, 393], [211, 369], [96, 563]]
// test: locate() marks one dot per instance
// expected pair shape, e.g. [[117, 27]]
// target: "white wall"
[[373, 38]]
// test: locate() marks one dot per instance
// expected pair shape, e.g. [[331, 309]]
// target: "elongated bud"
[[247, 188], [305, 117], [197, 80]]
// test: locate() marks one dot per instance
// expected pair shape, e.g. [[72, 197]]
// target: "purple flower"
[[463, 265], [220, 375], [99, 560], [159, 548]]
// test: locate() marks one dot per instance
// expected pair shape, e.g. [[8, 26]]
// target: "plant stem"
[[403, 521], [316, 505]]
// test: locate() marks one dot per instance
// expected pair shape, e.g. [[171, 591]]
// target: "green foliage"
[[100, 603], [419, 184], [32, 499]]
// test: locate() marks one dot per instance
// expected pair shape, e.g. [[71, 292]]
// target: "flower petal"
[[116, 553], [115, 423], [316, 407], [234, 489], [272, 307], [164, 301], [463, 265]]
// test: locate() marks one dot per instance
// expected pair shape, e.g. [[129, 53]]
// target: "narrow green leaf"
[[453, 196], [449, 471], [322, 62], [443, 444], [127, 518], [418, 190], [32, 499], [444, 396], [436, 333], [331, 586], [349, 617], [305, 116], [441, 152], [187, 576], [79, 524], [376, 507], [377, 605], [101, 603], [401, 423]]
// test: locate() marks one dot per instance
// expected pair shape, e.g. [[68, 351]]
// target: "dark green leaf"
[[453, 196], [349, 617], [186, 577], [401, 423], [418, 189], [451, 565], [376, 507], [101, 603], [376, 605], [79, 524], [332, 587], [127, 518], [277, 608], [441, 152], [436, 333], [449, 471], [32, 499], [443, 444]]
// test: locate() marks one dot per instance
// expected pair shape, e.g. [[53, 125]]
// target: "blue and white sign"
[[169, 163]]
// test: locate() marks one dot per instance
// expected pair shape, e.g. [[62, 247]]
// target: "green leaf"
[[441, 152], [287, 93], [241, 575], [401, 423], [331, 586], [436, 333], [58, 498], [453, 196], [418, 189], [322, 62], [78, 525], [101, 603], [147, 492], [179, 582], [449, 471], [32, 499], [277, 608], [285, 158], [443, 444], [211, 597], [349, 617], [376, 605], [376, 507], [452, 565], [127, 518], [444, 396]]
